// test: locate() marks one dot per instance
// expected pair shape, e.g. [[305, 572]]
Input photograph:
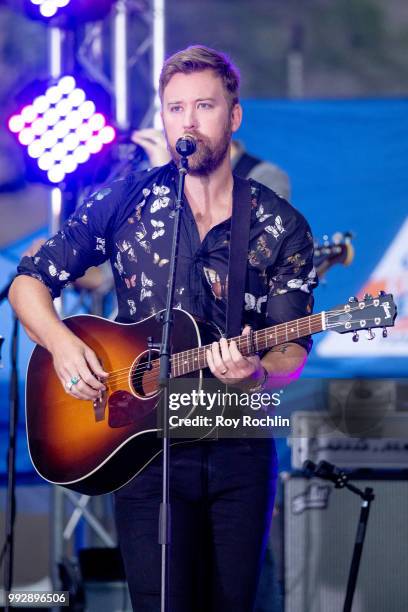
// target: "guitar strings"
[[148, 375], [179, 358], [117, 377], [185, 356]]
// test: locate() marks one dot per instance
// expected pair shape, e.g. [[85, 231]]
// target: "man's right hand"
[[75, 363], [73, 360]]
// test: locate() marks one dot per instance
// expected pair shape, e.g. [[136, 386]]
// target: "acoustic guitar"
[[97, 447]]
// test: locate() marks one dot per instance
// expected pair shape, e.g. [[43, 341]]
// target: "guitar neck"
[[195, 359]]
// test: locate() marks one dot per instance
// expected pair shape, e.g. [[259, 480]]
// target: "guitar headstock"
[[365, 314], [337, 251]]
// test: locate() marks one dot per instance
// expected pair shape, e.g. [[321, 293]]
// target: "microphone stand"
[[165, 374], [328, 471], [367, 496]]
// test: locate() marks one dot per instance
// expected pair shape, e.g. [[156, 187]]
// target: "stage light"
[[84, 132], [97, 122], [41, 104], [76, 97], [71, 141], [29, 114], [67, 13], [61, 129], [51, 117], [81, 154], [94, 144], [46, 161], [16, 123], [87, 109], [64, 107], [107, 134]]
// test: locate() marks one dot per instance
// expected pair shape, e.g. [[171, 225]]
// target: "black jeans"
[[222, 495]]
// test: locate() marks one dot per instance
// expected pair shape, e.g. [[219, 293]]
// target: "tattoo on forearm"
[[281, 348]]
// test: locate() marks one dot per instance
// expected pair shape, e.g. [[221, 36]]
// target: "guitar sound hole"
[[144, 379]]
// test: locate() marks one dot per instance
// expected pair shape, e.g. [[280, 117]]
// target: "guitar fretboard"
[[255, 342]]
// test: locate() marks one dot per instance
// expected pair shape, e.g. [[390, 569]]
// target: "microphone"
[[326, 471], [309, 467], [186, 145]]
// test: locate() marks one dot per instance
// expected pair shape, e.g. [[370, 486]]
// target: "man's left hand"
[[231, 367]]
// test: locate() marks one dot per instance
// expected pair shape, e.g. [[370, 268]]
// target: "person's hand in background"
[[154, 144]]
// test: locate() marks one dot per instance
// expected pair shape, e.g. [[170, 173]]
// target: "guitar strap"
[[238, 255]]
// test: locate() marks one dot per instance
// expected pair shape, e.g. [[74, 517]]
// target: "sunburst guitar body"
[[97, 447]]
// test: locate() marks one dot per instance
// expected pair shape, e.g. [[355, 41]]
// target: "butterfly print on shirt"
[[253, 303], [277, 229], [159, 228], [140, 236], [147, 283], [219, 289], [131, 282], [162, 201], [159, 262]]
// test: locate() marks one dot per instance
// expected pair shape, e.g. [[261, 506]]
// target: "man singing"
[[222, 491]]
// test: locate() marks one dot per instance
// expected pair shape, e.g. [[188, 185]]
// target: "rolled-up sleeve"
[[81, 243], [292, 280]]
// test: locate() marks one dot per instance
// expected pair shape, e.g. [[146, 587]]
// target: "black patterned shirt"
[[130, 223]]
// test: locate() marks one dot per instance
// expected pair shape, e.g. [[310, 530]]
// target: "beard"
[[208, 155]]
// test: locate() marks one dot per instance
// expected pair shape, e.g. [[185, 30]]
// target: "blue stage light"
[[67, 13], [49, 8], [61, 129]]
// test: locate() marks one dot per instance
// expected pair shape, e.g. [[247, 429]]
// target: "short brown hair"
[[198, 58]]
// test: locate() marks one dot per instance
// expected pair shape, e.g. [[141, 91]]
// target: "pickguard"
[[126, 409]]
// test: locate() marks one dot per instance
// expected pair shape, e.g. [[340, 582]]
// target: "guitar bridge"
[[99, 407]]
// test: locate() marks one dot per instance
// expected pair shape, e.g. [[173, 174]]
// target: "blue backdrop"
[[347, 165]]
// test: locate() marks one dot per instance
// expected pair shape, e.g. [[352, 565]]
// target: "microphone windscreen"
[[186, 145]]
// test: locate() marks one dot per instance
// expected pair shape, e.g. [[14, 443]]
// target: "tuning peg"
[[382, 293], [355, 337], [368, 296], [384, 332], [370, 334], [326, 240], [353, 299]]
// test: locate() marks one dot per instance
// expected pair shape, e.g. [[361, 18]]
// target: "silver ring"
[[224, 372], [69, 385], [75, 379]]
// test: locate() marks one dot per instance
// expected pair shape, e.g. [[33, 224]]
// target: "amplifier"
[[320, 525], [363, 441]]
